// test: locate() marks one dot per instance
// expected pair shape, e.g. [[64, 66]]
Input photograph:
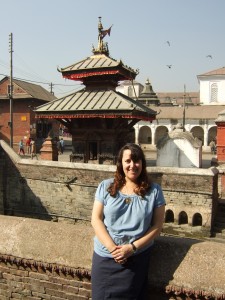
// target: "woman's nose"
[[132, 164]]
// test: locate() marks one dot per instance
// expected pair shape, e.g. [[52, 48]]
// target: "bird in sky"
[[169, 66], [168, 42], [209, 56]]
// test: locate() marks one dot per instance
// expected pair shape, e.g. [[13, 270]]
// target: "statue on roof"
[[102, 47]]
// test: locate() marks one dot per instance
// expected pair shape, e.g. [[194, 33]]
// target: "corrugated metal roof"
[[27, 90], [94, 62], [191, 112], [34, 90], [94, 100]]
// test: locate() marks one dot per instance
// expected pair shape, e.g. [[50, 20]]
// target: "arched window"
[[169, 216], [197, 220], [214, 92], [183, 218]]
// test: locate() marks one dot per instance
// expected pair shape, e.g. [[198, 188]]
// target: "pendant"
[[128, 200]]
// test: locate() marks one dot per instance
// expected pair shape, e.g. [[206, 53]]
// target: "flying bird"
[[209, 56], [169, 66], [168, 43]]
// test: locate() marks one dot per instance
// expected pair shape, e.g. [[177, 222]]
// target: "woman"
[[128, 213], [21, 147]]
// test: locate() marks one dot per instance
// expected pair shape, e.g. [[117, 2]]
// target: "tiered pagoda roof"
[[100, 74]]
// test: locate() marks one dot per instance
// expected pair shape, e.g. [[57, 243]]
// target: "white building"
[[197, 111], [212, 87]]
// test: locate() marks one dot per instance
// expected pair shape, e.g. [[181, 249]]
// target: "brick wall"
[[44, 260], [63, 191], [37, 255], [32, 280], [48, 260]]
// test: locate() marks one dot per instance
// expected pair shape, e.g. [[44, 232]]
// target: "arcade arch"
[[212, 133], [198, 132], [160, 132], [150, 134], [145, 135]]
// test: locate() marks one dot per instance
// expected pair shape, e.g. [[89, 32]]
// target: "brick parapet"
[[64, 191], [60, 267]]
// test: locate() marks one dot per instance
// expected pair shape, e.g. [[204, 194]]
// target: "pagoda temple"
[[148, 97], [99, 118]]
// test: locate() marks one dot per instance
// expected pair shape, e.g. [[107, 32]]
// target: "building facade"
[[196, 111], [26, 96]]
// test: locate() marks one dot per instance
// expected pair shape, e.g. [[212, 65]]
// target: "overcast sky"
[[147, 35]]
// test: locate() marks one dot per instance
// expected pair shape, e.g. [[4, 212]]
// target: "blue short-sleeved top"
[[126, 218]]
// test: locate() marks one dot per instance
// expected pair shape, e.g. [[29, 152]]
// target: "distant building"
[[212, 87], [26, 96], [196, 111]]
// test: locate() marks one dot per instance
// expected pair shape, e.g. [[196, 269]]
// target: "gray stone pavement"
[[150, 155], [151, 158]]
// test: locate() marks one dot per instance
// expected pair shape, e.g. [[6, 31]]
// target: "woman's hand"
[[122, 252]]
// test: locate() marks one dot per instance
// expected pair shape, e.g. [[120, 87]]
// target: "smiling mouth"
[[133, 171]]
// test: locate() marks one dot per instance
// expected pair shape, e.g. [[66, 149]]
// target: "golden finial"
[[102, 47]]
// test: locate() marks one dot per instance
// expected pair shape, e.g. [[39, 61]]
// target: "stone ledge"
[[178, 265], [106, 168], [45, 241]]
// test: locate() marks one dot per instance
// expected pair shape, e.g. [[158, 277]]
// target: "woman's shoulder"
[[154, 187], [102, 190], [106, 182]]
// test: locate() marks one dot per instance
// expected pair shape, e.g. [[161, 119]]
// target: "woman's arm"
[[99, 226], [154, 231], [157, 223]]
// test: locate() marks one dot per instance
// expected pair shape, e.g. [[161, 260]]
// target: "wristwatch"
[[134, 247]]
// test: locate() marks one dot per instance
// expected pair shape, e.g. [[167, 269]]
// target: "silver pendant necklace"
[[127, 200]]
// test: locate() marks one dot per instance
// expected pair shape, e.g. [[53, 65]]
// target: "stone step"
[[217, 239], [218, 229], [220, 214], [221, 208], [220, 236], [218, 223], [220, 219]]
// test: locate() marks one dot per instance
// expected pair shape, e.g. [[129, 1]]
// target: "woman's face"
[[131, 169]]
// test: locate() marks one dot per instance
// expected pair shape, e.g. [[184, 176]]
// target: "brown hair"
[[119, 177]]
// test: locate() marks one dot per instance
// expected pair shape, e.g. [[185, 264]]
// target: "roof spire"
[[102, 47]]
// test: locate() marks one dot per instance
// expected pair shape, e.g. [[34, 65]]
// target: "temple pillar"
[[136, 130], [153, 129], [49, 150]]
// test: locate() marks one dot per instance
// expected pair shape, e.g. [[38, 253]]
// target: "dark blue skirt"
[[113, 281]]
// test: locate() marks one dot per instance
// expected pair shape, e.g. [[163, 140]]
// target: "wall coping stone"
[[180, 265], [106, 168], [63, 244]]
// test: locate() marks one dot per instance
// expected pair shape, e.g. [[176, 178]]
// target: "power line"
[[48, 83]]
